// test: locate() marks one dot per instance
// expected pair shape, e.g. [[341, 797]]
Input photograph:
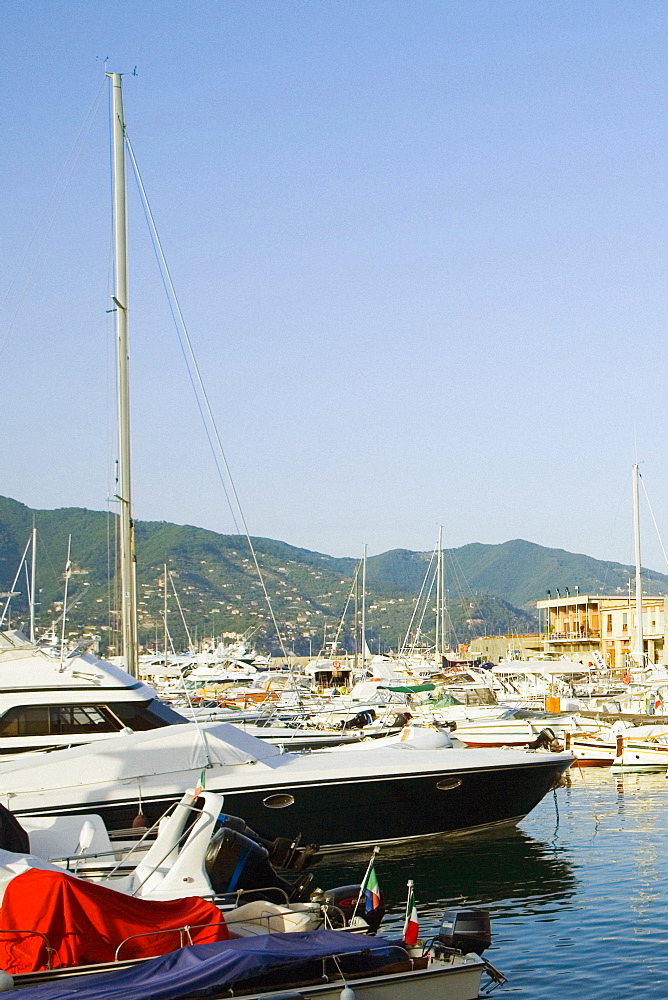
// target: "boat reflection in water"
[[577, 896], [505, 870]]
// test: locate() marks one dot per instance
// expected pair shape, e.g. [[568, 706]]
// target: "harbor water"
[[578, 893]]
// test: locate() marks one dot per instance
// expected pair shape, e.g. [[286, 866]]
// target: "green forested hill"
[[491, 589], [522, 572]]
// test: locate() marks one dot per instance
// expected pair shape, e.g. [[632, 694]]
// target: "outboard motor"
[[465, 930], [281, 851], [344, 899], [546, 740], [234, 862], [360, 720]]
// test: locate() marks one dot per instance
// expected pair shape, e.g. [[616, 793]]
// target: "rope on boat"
[[199, 389]]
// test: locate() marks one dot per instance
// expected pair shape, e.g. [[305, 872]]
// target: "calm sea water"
[[578, 893]]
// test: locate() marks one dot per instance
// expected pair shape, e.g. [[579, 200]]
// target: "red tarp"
[[85, 923]]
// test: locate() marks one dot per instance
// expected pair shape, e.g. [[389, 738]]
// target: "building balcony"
[[582, 635]]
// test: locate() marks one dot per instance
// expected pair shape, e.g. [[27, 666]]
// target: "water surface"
[[578, 893]]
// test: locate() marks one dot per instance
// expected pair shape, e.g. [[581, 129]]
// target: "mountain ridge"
[[490, 588]]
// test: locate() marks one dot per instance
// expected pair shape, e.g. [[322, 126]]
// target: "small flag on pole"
[[371, 891], [411, 927]]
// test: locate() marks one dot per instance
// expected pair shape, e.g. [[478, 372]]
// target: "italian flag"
[[411, 927], [371, 891]]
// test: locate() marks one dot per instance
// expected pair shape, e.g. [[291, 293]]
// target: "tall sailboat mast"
[[363, 629], [438, 650], [33, 577], [127, 553], [639, 651]]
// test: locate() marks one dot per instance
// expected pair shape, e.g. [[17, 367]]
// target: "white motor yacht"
[[50, 700], [336, 799]]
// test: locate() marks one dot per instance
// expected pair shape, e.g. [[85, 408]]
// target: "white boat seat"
[[262, 917], [60, 836]]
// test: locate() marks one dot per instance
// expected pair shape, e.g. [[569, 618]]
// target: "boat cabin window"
[[77, 719], [47, 720], [63, 720], [141, 715]]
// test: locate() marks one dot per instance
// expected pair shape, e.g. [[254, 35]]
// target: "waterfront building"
[[588, 625]]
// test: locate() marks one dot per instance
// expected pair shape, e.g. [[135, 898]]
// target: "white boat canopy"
[[514, 668], [133, 756]]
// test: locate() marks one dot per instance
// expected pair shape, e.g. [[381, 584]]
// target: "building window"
[[609, 625], [625, 622]]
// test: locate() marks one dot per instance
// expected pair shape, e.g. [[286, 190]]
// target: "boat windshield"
[[63, 720]]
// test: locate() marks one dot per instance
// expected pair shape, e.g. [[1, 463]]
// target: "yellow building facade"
[[587, 624]]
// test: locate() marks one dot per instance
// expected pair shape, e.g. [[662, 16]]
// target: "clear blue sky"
[[421, 248]]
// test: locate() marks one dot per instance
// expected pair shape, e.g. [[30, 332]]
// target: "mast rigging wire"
[[418, 600], [197, 383], [658, 534]]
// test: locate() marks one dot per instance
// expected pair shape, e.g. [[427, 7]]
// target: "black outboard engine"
[[234, 862], [464, 930], [360, 720], [281, 851], [343, 900], [546, 740]]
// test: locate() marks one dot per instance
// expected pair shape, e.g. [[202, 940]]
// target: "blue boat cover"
[[210, 969]]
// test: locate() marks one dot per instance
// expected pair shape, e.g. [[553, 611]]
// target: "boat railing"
[[333, 970], [45, 941], [138, 849], [71, 862], [331, 964], [236, 897], [184, 932]]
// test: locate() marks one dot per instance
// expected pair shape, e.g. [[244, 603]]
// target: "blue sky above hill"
[[421, 250]]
